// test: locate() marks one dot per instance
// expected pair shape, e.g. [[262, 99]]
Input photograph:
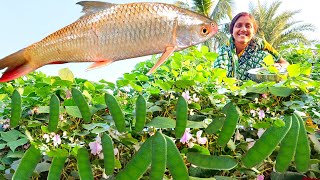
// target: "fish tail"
[[17, 65]]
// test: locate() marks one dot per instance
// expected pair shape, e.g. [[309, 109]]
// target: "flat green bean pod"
[[181, 117], [56, 167], [28, 163], [116, 112], [264, 146], [302, 156], [54, 113], [16, 109], [108, 154], [138, 164], [141, 113], [82, 104], [84, 165], [230, 123], [175, 163], [159, 156], [288, 147], [212, 162]]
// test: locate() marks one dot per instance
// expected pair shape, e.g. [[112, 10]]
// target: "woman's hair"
[[234, 20]]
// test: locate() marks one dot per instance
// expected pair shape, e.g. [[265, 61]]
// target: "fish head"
[[194, 30]]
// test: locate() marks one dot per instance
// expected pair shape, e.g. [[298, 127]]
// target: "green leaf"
[[73, 111], [42, 167], [2, 146], [184, 83], [162, 122], [154, 109], [268, 60], [15, 154], [164, 85], [204, 49], [58, 153], [130, 77], [136, 87], [154, 90], [211, 56], [281, 91], [11, 135], [66, 74], [293, 70], [199, 149], [89, 85], [43, 109], [14, 144], [194, 124], [143, 78]]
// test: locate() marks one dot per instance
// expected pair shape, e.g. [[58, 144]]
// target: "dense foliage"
[[211, 98]]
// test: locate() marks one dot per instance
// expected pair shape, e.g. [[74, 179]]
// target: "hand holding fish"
[[110, 32]]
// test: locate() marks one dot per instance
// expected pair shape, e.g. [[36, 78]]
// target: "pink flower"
[[68, 94], [6, 126], [56, 140], [186, 136], [201, 140], [260, 177], [261, 114], [186, 95], [96, 146], [264, 95]]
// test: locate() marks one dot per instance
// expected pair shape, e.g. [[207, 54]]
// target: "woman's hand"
[[277, 65]]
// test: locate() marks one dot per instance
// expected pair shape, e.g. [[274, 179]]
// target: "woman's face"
[[243, 30]]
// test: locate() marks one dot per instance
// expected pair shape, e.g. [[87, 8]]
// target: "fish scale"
[[111, 32]]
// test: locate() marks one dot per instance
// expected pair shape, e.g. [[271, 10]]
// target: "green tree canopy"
[[280, 28]]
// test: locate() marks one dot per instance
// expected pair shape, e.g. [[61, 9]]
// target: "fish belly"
[[120, 32]]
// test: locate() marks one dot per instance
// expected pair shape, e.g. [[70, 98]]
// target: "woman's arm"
[[282, 63]]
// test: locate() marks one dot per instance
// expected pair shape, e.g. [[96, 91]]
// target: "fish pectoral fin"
[[99, 64], [90, 7], [163, 58]]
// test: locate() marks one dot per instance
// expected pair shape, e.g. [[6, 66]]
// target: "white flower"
[[253, 112], [260, 132], [195, 99], [201, 140], [46, 137], [250, 142], [56, 140]]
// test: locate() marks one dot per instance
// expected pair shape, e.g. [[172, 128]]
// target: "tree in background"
[[280, 28]]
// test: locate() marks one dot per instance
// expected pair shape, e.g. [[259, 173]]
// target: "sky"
[[26, 22]]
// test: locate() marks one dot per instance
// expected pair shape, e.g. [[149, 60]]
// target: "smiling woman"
[[245, 51]]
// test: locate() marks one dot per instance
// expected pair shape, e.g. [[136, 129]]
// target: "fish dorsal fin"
[[90, 7]]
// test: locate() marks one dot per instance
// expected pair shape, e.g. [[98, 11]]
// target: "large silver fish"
[[111, 32]]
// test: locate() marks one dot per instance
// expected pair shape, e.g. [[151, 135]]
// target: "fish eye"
[[204, 31]]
